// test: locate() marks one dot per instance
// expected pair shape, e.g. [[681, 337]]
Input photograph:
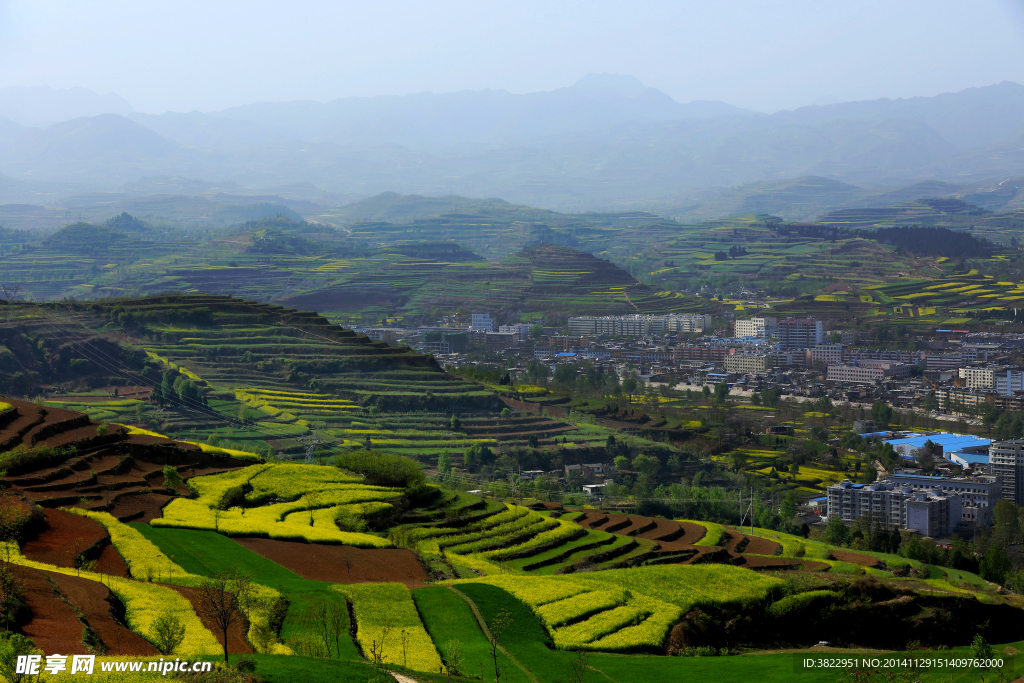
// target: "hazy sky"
[[766, 55]]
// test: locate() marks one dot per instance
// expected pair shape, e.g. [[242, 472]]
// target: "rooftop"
[[949, 442]]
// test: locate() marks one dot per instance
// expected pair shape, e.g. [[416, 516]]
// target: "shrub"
[[103, 430], [382, 469], [168, 632], [25, 459]]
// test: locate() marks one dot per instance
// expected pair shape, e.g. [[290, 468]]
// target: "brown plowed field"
[[130, 504], [90, 598], [812, 566], [855, 558], [694, 532], [328, 562], [73, 435], [756, 562], [54, 627], [237, 642], [56, 545]]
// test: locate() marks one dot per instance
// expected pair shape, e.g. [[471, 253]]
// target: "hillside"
[[107, 541]]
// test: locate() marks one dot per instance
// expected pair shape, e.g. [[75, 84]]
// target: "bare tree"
[[221, 599], [502, 621], [312, 502]]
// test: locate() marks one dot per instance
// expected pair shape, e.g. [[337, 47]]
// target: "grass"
[[447, 616], [206, 553]]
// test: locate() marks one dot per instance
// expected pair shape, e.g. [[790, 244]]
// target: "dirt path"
[[487, 633]]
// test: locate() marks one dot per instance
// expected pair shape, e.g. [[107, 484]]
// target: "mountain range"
[[606, 143]]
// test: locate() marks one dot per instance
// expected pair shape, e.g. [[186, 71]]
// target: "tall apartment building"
[[982, 491], [748, 363], [758, 328], [931, 512], [829, 354], [482, 321], [943, 361], [978, 378], [800, 333], [522, 330], [1008, 380], [1006, 461]]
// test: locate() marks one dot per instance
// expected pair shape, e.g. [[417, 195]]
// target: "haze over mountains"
[[606, 143]]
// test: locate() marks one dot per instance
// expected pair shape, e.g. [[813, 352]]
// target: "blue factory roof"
[[565, 354], [949, 442], [972, 458]]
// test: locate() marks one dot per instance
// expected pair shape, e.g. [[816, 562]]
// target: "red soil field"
[[54, 627], [139, 507], [321, 562], [57, 544], [237, 643], [90, 598], [855, 558]]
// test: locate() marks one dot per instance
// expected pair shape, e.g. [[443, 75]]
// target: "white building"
[[482, 321], [931, 512], [978, 378], [1008, 380], [758, 328], [638, 325], [748, 363]]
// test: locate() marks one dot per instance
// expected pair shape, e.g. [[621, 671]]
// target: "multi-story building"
[[943, 361], [758, 328], [829, 354], [520, 329], [867, 372], [498, 341], [706, 353], [956, 398], [800, 333], [1008, 380], [748, 363], [639, 325], [884, 503], [972, 353], [1006, 461], [442, 341], [482, 321], [977, 377], [982, 491]]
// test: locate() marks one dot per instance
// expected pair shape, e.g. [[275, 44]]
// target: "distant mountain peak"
[[620, 83]]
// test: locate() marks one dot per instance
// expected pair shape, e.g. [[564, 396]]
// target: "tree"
[[168, 632], [564, 374], [982, 652], [738, 459], [721, 392], [501, 621], [1005, 519], [630, 384], [881, 412], [220, 600], [506, 414], [995, 565], [621, 463], [836, 532], [444, 462], [452, 656], [788, 508], [12, 646], [172, 480], [647, 465], [455, 423], [536, 331]]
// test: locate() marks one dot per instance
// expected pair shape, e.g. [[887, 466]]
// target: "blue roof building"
[[950, 443]]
